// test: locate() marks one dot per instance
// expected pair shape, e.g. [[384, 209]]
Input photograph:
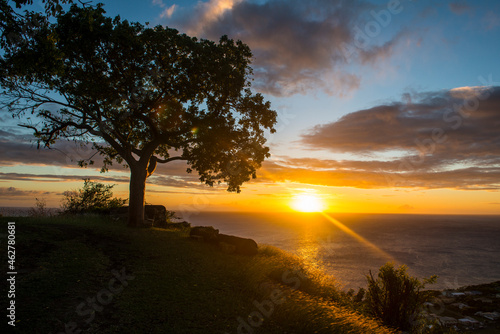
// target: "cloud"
[[18, 149], [460, 121], [322, 173], [443, 139], [7, 193], [184, 182], [176, 177], [57, 178], [297, 45], [168, 12], [22, 148], [406, 208], [459, 7], [208, 13]]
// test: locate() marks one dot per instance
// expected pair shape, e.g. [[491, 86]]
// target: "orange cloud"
[[209, 12], [372, 178]]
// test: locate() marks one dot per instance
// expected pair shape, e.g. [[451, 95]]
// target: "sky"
[[383, 107]]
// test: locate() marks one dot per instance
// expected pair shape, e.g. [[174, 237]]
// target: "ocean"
[[461, 250]]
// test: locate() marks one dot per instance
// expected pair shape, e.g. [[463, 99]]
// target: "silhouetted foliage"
[[18, 25], [140, 95], [40, 209], [93, 197], [355, 299], [395, 297]]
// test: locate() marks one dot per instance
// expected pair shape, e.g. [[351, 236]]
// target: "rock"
[[157, 213], [205, 233], [227, 243], [227, 248], [232, 244]]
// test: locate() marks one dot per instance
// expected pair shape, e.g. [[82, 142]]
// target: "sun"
[[307, 203]]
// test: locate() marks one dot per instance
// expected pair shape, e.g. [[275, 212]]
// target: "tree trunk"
[[138, 177]]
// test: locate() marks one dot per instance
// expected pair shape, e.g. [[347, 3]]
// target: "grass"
[[68, 266]]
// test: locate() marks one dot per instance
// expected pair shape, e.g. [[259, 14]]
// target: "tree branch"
[[164, 161], [42, 99]]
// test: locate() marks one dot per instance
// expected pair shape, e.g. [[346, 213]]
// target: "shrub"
[[395, 297], [40, 210], [93, 197]]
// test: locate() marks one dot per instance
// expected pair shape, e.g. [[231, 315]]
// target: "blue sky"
[[325, 64]]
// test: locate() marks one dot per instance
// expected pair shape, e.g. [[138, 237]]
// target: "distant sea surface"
[[9, 211], [461, 250]]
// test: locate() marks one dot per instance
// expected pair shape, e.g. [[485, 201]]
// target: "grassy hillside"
[[96, 276]]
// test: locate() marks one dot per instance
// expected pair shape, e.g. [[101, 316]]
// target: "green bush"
[[395, 297], [93, 197]]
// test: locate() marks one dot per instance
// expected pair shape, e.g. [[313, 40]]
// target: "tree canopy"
[[17, 27], [141, 96]]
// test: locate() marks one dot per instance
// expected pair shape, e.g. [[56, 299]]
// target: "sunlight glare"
[[307, 203], [358, 237]]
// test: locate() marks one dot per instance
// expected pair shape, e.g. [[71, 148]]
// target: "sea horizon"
[[194, 212]]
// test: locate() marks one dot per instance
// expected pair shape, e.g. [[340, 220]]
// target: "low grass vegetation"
[[93, 275]]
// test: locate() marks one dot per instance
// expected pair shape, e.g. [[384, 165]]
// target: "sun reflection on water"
[[313, 234], [317, 238]]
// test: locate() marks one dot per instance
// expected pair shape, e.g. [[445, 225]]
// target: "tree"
[[18, 27], [395, 297], [141, 96], [93, 197]]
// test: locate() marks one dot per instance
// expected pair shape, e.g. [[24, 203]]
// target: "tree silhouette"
[[141, 96]]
